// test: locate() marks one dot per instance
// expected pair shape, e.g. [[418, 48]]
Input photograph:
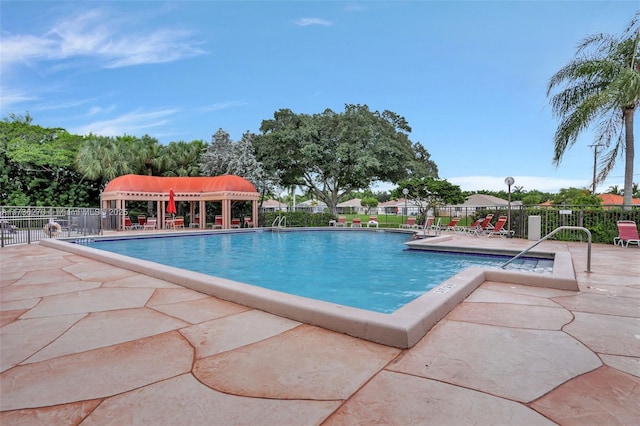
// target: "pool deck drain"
[[85, 341]]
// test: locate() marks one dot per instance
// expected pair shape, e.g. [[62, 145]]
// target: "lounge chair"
[[217, 222], [142, 219], [248, 222], [178, 222], [195, 223], [411, 223], [356, 222], [452, 225], [373, 221], [498, 229], [235, 223], [128, 225], [342, 221], [471, 228], [150, 223], [627, 233], [484, 226]]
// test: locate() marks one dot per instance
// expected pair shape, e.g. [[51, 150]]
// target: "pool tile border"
[[402, 328]]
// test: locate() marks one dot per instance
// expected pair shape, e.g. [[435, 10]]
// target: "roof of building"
[[616, 199], [162, 184]]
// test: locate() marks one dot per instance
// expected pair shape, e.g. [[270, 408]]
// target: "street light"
[[405, 192], [509, 181]]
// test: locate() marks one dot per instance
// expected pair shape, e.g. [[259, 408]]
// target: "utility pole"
[[595, 147]]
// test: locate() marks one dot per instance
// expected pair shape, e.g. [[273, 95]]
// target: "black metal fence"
[[24, 225]]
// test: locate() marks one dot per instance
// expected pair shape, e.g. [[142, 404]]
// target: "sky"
[[470, 77]]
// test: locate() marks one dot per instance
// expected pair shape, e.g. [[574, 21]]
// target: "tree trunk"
[[629, 156]]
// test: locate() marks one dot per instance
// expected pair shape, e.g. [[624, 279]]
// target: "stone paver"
[[402, 399], [518, 364], [602, 397], [85, 342]]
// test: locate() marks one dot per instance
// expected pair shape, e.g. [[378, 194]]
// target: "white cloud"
[[528, 183], [97, 35], [133, 123], [495, 183], [223, 105], [303, 22], [10, 97]]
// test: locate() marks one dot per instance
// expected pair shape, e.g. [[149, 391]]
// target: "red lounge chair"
[[235, 223], [356, 223], [196, 222], [471, 228], [218, 222], [373, 221], [178, 222], [453, 225], [498, 229], [128, 225], [627, 233], [248, 222], [411, 223], [484, 227], [142, 219], [342, 221], [150, 223]]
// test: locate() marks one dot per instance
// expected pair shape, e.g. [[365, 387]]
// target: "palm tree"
[[602, 85], [183, 158], [102, 158]]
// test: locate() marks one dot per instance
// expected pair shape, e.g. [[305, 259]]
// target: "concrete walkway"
[[87, 343]]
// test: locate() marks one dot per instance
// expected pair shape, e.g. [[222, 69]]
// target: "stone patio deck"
[[83, 342]]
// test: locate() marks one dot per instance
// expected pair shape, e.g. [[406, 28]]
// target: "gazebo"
[[196, 190]]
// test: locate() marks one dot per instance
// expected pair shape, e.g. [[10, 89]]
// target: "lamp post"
[[509, 181], [405, 192]]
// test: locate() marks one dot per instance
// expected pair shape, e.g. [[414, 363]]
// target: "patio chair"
[[342, 221], [627, 233], [452, 225], [356, 223], [471, 228], [248, 222], [128, 225], [484, 226], [373, 221], [142, 219], [178, 222], [235, 223], [498, 229], [411, 223], [217, 224], [196, 222], [150, 223]]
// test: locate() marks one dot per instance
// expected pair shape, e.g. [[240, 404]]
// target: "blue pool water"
[[368, 270]]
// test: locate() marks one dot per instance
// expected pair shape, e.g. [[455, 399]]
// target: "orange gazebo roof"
[[162, 185]]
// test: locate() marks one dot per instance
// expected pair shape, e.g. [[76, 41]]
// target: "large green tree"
[[601, 84], [427, 193], [36, 166], [224, 156], [331, 155]]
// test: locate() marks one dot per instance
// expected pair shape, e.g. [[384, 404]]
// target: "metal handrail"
[[279, 220], [578, 228]]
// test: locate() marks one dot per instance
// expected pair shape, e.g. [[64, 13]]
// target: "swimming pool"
[[402, 328], [367, 270]]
